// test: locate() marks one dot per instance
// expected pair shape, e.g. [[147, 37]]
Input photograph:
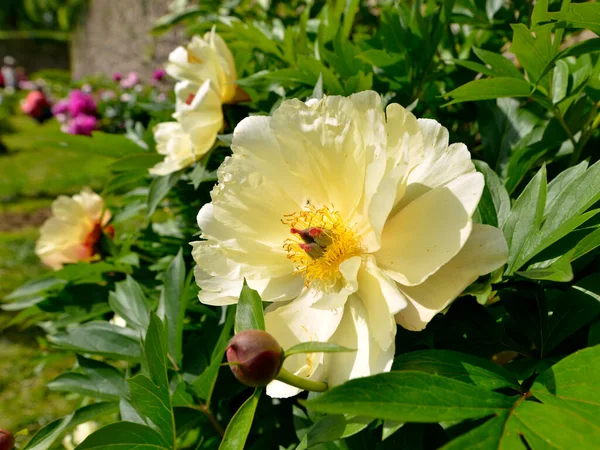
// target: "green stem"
[[299, 382], [585, 137]]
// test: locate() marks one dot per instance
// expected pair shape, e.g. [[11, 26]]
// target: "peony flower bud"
[[257, 357], [7, 441]]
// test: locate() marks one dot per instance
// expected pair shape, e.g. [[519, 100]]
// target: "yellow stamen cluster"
[[344, 244]]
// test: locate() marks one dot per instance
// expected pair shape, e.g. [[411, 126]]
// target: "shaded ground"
[[30, 178]]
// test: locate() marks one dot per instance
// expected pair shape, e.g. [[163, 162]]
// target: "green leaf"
[[125, 436], [171, 306], [560, 271], [530, 425], [540, 12], [526, 215], [201, 174], [500, 66], [153, 404], [113, 145], [249, 315], [35, 288], [97, 379], [533, 48], [581, 15], [136, 163], [129, 302], [159, 189], [239, 427], [560, 81], [586, 245], [578, 306], [379, 58], [204, 384], [494, 186], [490, 88], [410, 396], [334, 427], [47, 435], [316, 347], [458, 366], [150, 395], [100, 338]]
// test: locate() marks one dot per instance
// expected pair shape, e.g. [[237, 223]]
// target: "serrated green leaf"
[[410, 396], [249, 315], [239, 427], [457, 366]]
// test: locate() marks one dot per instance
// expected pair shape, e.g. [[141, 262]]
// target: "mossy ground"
[[30, 178]]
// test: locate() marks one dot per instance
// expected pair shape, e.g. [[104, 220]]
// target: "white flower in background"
[[72, 233], [346, 217], [203, 59], [199, 119], [70, 441], [118, 321]]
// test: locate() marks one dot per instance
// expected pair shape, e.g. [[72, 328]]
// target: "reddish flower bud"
[[7, 441], [256, 357]]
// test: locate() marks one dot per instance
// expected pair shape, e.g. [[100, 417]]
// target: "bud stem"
[[299, 382]]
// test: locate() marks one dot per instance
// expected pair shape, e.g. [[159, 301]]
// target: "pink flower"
[[37, 106], [61, 107], [132, 79], [82, 124]]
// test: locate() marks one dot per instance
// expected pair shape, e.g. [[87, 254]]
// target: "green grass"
[[31, 171], [30, 178]]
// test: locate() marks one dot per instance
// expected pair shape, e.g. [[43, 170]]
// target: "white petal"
[[484, 252], [354, 332], [430, 231]]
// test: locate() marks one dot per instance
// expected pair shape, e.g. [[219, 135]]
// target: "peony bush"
[[346, 225]]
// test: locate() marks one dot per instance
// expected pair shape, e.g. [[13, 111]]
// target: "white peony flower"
[[72, 233], [79, 434], [206, 58], [118, 321], [346, 218]]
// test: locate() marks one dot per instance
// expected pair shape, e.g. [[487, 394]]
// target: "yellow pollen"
[[193, 58], [335, 243]]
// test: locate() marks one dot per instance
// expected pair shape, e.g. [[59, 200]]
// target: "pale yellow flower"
[[203, 59], [72, 233], [79, 434], [199, 120], [347, 218]]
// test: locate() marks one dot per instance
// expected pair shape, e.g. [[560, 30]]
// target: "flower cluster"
[[349, 220], [78, 113], [206, 76]]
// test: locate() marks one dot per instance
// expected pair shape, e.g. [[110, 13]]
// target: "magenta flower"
[[131, 80], [117, 76], [82, 124], [159, 74], [61, 107], [81, 103]]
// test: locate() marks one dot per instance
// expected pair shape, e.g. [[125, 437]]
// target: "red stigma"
[[190, 99], [315, 232], [305, 247]]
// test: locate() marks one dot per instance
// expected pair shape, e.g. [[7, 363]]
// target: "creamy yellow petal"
[[430, 231], [354, 332], [484, 252]]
